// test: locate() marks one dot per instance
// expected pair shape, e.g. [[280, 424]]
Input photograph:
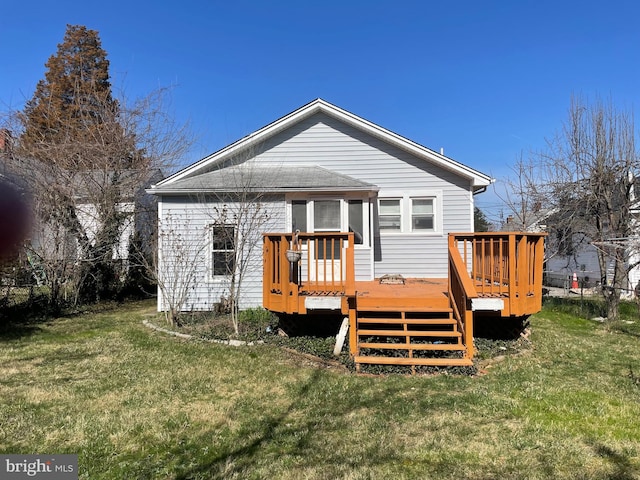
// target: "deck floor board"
[[415, 293]]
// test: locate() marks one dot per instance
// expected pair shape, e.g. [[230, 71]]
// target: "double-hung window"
[[422, 215], [356, 221], [409, 212], [390, 214], [223, 255]]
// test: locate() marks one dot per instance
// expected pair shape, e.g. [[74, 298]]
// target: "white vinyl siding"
[[324, 141], [192, 220]]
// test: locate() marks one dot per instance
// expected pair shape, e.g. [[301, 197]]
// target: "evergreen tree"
[[73, 106], [480, 221], [86, 157], [82, 157]]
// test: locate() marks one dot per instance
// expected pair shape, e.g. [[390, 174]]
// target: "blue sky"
[[486, 81]]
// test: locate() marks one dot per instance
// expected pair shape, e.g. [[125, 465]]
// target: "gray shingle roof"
[[274, 178]]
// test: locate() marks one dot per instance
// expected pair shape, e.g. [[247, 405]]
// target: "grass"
[[138, 404]]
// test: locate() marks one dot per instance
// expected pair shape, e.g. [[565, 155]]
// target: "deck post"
[[513, 264], [538, 269], [353, 327], [267, 275], [350, 283], [468, 332], [285, 278], [523, 274]]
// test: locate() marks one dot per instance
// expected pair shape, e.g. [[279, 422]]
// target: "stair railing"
[[461, 293]]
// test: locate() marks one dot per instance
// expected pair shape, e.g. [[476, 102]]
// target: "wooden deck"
[[415, 293], [418, 321]]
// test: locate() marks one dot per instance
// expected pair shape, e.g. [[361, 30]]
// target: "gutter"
[[484, 188], [168, 191]]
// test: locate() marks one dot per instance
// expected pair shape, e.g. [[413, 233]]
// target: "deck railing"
[[325, 266], [505, 265]]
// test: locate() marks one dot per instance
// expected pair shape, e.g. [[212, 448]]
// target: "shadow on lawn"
[[274, 437], [24, 319], [623, 469]]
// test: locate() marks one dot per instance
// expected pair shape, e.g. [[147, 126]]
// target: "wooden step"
[[434, 362], [405, 333], [407, 308], [413, 346], [395, 304], [408, 321]]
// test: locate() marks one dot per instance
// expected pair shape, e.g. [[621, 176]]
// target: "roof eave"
[[196, 191]]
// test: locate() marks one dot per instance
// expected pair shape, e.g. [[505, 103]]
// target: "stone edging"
[[233, 343]]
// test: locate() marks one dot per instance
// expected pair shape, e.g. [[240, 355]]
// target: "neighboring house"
[[576, 255], [50, 240], [570, 254], [85, 188], [136, 208], [317, 169]]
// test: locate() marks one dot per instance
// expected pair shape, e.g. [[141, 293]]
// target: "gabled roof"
[[265, 178], [478, 179]]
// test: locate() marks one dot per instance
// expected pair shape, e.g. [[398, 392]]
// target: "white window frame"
[[406, 211], [412, 214], [380, 214], [213, 275]]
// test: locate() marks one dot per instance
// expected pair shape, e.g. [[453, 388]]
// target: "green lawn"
[[139, 404]]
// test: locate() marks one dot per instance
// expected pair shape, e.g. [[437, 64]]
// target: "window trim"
[[212, 251], [380, 215], [412, 214], [344, 213], [406, 211]]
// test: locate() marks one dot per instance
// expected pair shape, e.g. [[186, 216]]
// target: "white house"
[[319, 168]]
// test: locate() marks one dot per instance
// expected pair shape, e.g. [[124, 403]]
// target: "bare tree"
[[85, 157], [239, 217], [176, 272], [523, 196], [225, 212], [588, 180], [83, 192]]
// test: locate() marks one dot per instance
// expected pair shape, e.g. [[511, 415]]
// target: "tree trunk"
[[619, 284]]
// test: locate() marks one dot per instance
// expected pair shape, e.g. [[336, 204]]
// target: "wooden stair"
[[409, 336]]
